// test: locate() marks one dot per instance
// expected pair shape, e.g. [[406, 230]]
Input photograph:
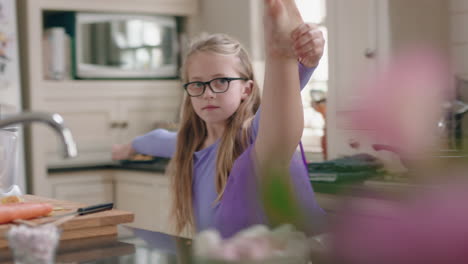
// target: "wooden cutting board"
[[84, 226]]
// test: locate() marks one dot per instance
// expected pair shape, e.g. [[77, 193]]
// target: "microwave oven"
[[118, 46]]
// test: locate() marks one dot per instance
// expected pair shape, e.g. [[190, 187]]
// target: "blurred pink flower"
[[403, 102], [431, 228]]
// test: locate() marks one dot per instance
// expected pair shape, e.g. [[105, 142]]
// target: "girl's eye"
[[220, 82], [196, 85]]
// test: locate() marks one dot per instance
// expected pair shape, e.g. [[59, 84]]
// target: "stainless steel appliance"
[[125, 46]]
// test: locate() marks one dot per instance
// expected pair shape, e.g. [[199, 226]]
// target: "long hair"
[[192, 132]]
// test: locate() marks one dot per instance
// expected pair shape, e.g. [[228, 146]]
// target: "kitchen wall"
[[418, 21], [241, 19]]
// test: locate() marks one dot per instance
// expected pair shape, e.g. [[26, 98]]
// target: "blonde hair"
[[192, 132]]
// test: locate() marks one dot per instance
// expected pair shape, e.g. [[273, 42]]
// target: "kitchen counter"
[[131, 246], [357, 188], [156, 165], [329, 195]]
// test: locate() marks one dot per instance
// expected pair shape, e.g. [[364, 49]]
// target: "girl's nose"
[[208, 93]]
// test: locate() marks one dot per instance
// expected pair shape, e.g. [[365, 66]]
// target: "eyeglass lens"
[[218, 85]]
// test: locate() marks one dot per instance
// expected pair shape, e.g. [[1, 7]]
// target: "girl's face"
[[215, 108]]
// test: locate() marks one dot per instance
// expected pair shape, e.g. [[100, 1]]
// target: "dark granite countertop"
[[155, 165]]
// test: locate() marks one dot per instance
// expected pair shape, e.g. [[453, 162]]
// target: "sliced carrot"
[[25, 211]]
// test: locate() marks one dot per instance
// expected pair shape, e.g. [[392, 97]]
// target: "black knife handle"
[[95, 208]]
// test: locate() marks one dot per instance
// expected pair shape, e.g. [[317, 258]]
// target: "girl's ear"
[[247, 89]]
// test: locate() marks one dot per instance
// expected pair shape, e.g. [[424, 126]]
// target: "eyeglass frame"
[[208, 83]]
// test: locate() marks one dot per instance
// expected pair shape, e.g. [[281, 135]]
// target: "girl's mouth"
[[210, 107]]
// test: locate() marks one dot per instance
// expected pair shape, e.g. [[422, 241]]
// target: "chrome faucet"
[[53, 120]]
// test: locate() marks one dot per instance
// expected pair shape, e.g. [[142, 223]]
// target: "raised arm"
[[304, 76], [281, 118]]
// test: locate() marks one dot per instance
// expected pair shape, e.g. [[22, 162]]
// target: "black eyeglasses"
[[218, 85]]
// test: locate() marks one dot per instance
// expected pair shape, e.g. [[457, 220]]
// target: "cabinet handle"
[[124, 124], [114, 125], [369, 53], [373, 21]]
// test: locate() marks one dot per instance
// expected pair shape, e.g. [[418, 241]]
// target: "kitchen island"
[[132, 245], [144, 189], [138, 187]]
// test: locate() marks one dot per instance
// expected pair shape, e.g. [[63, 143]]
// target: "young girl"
[[224, 140]]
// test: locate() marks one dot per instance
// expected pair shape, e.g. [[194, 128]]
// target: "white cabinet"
[[353, 34], [363, 34], [147, 196], [169, 7], [97, 124], [91, 122], [88, 187], [138, 116], [99, 112]]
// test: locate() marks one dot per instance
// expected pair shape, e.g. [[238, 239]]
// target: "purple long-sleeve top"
[[239, 207]]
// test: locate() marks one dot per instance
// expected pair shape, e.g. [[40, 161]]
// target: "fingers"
[[122, 152], [303, 29], [313, 46], [293, 12], [308, 44]]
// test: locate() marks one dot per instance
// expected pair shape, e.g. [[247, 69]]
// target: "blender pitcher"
[[8, 162]]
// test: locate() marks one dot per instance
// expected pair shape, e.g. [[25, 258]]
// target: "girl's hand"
[[308, 44], [122, 152], [280, 19]]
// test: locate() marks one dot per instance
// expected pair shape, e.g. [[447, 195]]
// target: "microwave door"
[[127, 47]]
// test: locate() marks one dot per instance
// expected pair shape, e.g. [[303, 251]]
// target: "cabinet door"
[[140, 116], [92, 123], [356, 46], [353, 37], [147, 196], [88, 187]]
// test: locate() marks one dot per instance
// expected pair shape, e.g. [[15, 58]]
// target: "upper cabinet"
[[106, 111], [167, 7], [363, 35]]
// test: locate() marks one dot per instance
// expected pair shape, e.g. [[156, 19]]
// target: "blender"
[[9, 161], [8, 151]]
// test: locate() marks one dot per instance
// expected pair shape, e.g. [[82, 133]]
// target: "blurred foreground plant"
[[429, 225]]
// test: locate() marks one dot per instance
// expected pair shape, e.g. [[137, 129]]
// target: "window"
[[314, 11]]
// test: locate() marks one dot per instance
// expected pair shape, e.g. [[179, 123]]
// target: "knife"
[[88, 210], [60, 219]]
